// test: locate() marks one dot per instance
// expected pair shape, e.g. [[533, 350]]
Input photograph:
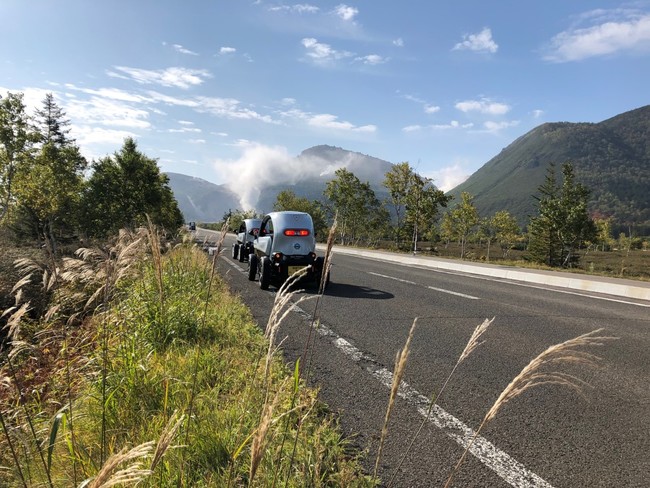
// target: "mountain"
[[200, 200], [612, 158]]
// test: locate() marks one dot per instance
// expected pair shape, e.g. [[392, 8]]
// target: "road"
[[549, 436]]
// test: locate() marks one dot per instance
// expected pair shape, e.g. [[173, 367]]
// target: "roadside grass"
[[160, 381], [633, 264]]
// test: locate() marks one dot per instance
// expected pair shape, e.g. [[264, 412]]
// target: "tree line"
[[416, 210], [49, 191]]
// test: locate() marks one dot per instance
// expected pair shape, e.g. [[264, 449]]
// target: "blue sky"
[[231, 90]]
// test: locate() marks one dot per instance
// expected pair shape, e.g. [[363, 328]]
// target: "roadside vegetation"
[[142, 368]]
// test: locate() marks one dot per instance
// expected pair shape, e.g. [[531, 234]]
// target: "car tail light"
[[277, 257], [296, 232]]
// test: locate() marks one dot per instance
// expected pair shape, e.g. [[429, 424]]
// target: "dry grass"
[[537, 373]]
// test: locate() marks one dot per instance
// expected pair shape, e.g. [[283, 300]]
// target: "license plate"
[[294, 269]]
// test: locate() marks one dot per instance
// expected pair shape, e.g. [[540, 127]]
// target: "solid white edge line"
[[506, 467]]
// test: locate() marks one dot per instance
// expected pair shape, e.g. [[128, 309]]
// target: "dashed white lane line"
[[441, 290], [506, 467]]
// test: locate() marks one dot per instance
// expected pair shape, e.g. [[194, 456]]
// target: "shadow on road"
[[342, 290]]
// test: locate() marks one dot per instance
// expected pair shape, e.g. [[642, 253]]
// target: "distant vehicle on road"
[[285, 244], [191, 226], [246, 234]]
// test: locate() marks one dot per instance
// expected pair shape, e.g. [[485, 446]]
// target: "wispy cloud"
[[171, 77], [449, 177], [327, 121], [426, 106], [372, 59], [300, 8], [399, 42], [491, 126], [107, 112], [322, 53], [537, 113], [454, 124], [180, 49], [611, 32], [227, 50], [484, 106], [481, 42]]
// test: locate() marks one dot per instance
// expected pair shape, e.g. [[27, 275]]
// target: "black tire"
[[265, 273], [243, 253], [252, 267], [235, 251]]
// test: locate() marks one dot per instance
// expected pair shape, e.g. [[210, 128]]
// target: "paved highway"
[[549, 436]]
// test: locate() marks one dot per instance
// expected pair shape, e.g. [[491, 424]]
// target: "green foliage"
[[360, 215], [563, 223], [124, 189], [460, 221], [415, 201], [16, 141]]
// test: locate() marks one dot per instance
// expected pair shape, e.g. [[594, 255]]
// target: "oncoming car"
[[246, 234], [285, 244]]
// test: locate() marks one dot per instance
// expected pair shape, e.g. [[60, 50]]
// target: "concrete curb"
[[639, 290]]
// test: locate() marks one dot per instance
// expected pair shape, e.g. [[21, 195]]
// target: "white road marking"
[[430, 287], [453, 293], [506, 467]]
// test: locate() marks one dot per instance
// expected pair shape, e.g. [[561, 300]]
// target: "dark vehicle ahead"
[[285, 244], [191, 226], [246, 234]]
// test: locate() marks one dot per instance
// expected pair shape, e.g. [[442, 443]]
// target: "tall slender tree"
[[49, 185], [16, 142]]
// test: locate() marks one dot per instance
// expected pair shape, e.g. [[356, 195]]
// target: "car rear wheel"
[[243, 253], [265, 273], [235, 251], [252, 267]]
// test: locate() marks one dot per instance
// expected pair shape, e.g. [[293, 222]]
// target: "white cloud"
[[537, 113], [111, 93], [454, 124], [185, 130], [372, 59], [300, 8], [103, 111], [323, 53], [185, 122], [328, 121], [346, 13], [196, 141], [227, 50], [229, 108], [412, 128], [170, 77], [491, 126], [621, 31], [481, 42], [449, 177], [399, 42], [90, 136], [431, 109], [484, 106], [182, 50]]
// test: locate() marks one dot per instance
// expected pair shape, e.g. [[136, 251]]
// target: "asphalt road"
[[549, 436]]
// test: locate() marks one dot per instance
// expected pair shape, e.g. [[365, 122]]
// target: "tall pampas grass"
[[535, 374], [400, 367], [473, 342]]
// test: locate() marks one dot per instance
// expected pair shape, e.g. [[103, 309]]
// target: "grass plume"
[[400, 367], [536, 374]]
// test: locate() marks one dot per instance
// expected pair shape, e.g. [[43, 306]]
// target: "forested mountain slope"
[[612, 158]]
